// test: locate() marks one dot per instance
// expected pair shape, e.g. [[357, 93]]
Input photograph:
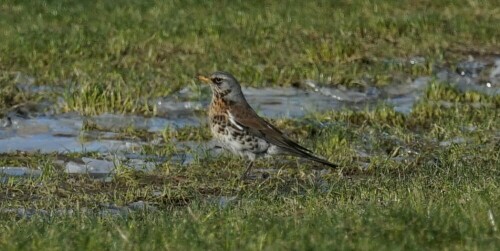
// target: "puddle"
[[290, 102], [25, 129], [113, 122], [103, 168], [107, 209], [48, 143], [474, 75], [99, 169], [29, 128], [453, 141], [93, 167], [495, 75], [64, 133], [18, 172]]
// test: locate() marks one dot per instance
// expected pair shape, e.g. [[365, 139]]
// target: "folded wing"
[[259, 127]]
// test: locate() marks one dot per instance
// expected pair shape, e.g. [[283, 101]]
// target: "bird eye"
[[217, 80]]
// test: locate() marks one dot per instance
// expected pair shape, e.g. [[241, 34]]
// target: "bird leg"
[[247, 171]]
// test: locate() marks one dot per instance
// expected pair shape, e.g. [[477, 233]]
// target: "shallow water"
[[64, 133], [105, 209], [31, 130]]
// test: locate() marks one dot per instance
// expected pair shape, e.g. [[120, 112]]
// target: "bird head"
[[223, 85]]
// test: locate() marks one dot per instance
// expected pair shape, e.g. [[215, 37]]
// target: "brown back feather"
[[246, 117]]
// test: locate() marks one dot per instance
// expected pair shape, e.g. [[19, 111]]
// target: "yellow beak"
[[204, 79]]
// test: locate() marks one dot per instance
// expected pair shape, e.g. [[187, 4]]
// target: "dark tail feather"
[[322, 161]]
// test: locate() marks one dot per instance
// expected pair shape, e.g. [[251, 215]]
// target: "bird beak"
[[204, 79]]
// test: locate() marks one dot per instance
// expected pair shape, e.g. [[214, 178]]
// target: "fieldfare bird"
[[238, 128]]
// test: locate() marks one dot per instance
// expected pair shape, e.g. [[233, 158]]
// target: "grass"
[[415, 193], [108, 54], [425, 180], [364, 226]]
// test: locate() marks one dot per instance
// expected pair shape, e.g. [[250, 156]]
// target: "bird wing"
[[247, 118]]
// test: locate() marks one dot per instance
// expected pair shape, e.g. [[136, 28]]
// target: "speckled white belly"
[[240, 142]]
